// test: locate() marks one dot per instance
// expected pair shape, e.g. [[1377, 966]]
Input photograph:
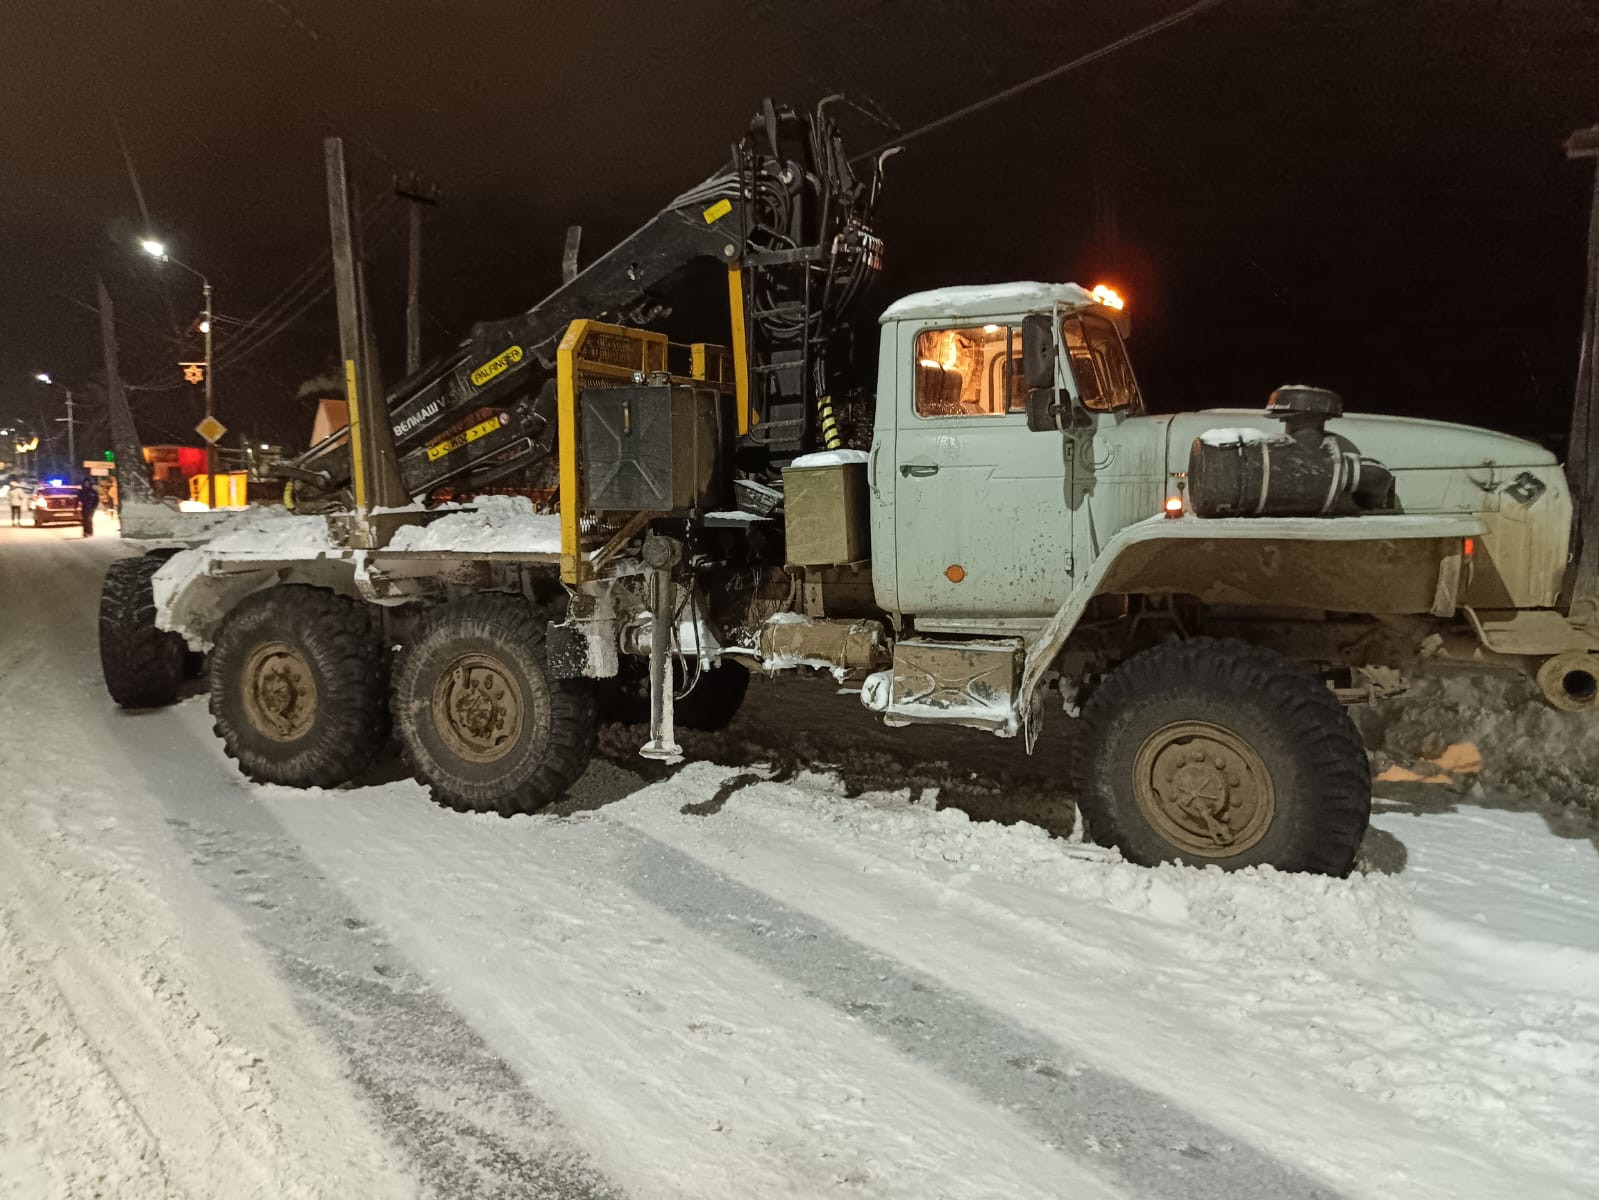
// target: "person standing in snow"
[[18, 496], [88, 501]]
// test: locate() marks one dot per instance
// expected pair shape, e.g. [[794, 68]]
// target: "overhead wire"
[[1082, 60], [234, 356], [276, 315]]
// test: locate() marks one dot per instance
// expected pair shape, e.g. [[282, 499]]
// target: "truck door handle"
[[920, 470]]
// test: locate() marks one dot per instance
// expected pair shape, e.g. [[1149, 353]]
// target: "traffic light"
[[111, 456]]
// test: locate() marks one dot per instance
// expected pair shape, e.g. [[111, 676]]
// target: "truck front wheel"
[[482, 722], [297, 687], [1219, 753]]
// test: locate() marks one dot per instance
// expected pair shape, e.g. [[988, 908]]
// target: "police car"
[[56, 503]]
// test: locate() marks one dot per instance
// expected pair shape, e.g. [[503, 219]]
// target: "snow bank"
[[162, 522], [1548, 758], [1312, 915], [493, 524]]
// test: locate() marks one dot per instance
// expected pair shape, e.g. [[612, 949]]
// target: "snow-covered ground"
[[806, 972]]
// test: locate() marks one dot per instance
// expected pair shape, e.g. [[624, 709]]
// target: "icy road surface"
[[725, 985]]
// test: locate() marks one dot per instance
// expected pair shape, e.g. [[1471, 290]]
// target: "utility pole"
[[71, 424], [418, 194], [72, 435], [1582, 450], [375, 466], [210, 400]]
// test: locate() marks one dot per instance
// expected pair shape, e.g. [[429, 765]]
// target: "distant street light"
[[158, 251], [72, 425]]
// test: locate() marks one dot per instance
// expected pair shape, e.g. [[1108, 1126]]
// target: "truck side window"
[[970, 372], [1099, 364]]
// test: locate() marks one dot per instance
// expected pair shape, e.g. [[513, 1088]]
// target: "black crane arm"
[[787, 210]]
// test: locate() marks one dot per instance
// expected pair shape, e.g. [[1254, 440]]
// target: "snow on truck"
[[1016, 537]]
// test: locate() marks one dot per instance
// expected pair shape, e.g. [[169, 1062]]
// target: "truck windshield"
[[970, 372], [1099, 363]]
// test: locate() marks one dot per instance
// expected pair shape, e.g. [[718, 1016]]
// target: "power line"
[[1176, 18], [276, 316], [235, 353]]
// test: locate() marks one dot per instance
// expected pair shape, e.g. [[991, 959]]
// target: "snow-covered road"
[[722, 984]]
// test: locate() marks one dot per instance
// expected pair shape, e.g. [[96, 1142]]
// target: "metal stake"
[[1582, 451]]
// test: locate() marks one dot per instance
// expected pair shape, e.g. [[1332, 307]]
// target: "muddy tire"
[[299, 682], [709, 708], [1218, 753], [143, 666], [480, 720]]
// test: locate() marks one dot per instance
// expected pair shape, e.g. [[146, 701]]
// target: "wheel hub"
[[1204, 788], [280, 695], [478, 708]]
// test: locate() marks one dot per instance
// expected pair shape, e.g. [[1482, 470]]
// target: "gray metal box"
[[653, 448], [825, 514]]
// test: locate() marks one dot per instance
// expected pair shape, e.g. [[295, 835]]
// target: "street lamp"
[[72, 441], [158, 251]]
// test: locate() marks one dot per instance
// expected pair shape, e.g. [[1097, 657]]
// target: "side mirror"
[[1038, 351], [1043, 410]]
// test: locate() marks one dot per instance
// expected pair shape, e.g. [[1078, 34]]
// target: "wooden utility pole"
[[1582, 452], [412, 189], [375, 467]]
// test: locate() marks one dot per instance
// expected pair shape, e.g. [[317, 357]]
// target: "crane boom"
[[787, 214]]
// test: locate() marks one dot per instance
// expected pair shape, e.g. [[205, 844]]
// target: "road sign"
[[211, 429]]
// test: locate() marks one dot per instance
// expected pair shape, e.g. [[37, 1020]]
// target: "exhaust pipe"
[[1570, 681]]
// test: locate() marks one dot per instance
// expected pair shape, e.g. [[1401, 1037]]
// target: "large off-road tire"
[[710, 707], [1218, 753], [143, 666], [481, 721], [299, 682]]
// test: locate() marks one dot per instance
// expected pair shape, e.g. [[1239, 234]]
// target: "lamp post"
[[158, 251], [72, 440]]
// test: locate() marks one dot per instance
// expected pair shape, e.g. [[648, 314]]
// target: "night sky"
[[1370, 195]]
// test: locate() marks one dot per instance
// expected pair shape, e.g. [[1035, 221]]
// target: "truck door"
[[982, 525], [1119, 460]]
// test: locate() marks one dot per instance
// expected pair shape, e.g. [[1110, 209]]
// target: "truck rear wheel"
[[1219, 753], [482, 722], [144, 667], [298, 679]]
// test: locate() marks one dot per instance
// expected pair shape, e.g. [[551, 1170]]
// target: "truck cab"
[[977, 518]]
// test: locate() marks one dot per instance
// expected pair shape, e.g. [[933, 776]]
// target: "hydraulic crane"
[[791, 224]]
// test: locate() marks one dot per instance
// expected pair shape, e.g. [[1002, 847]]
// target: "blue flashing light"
[[57, 483]]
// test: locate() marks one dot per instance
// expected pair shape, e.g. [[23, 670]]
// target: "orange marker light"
[[1108, 296], [1469, 547], [1174, 506], [955, 572]]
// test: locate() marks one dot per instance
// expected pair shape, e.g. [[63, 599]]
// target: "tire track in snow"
[[1155, 1149], [461, 1115]]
